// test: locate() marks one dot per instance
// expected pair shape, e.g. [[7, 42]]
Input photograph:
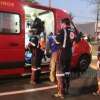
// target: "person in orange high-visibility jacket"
[[42, 43]]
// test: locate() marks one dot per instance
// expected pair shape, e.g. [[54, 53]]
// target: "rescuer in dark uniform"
[[37, 55], [64, 54]]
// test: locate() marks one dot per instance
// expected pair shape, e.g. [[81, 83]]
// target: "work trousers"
[[35, 76], [63, 83], [53, 67]]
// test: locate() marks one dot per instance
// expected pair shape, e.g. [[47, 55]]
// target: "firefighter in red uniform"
[[64, 54]]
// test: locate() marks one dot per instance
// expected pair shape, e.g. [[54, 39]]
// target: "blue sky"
[[80, 9]]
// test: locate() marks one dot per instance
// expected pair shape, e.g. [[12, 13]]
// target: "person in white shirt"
[[98, 72]]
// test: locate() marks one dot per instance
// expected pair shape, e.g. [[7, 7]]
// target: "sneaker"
[[33, 83], [59, 95], [96, 93]]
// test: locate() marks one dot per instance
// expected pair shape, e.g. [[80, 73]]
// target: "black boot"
[[33, 78], [38, 74]]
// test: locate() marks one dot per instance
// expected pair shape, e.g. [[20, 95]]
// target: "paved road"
[[19, 89]]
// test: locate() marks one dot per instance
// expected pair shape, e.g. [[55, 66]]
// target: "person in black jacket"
[[64, 54], [37, 55], [37, 24]]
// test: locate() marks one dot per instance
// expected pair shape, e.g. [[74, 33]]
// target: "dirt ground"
[[94, 54]]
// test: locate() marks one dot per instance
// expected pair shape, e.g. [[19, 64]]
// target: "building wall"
[[87, 28]]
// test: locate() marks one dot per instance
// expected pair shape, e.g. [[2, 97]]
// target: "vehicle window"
[[9, 23]]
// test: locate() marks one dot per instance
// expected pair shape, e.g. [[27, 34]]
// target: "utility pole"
[[97, 19], [49, 3], [97, 25]]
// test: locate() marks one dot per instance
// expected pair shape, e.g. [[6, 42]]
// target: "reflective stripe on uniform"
[[59, 75], [35, 69], [65, 37], [98, 83], [67, 73], [38, 68], [33, 44]]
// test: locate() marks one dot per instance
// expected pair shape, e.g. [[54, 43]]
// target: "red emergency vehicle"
[[14, 16]]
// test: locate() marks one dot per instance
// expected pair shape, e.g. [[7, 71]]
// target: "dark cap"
[[66, 21]]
